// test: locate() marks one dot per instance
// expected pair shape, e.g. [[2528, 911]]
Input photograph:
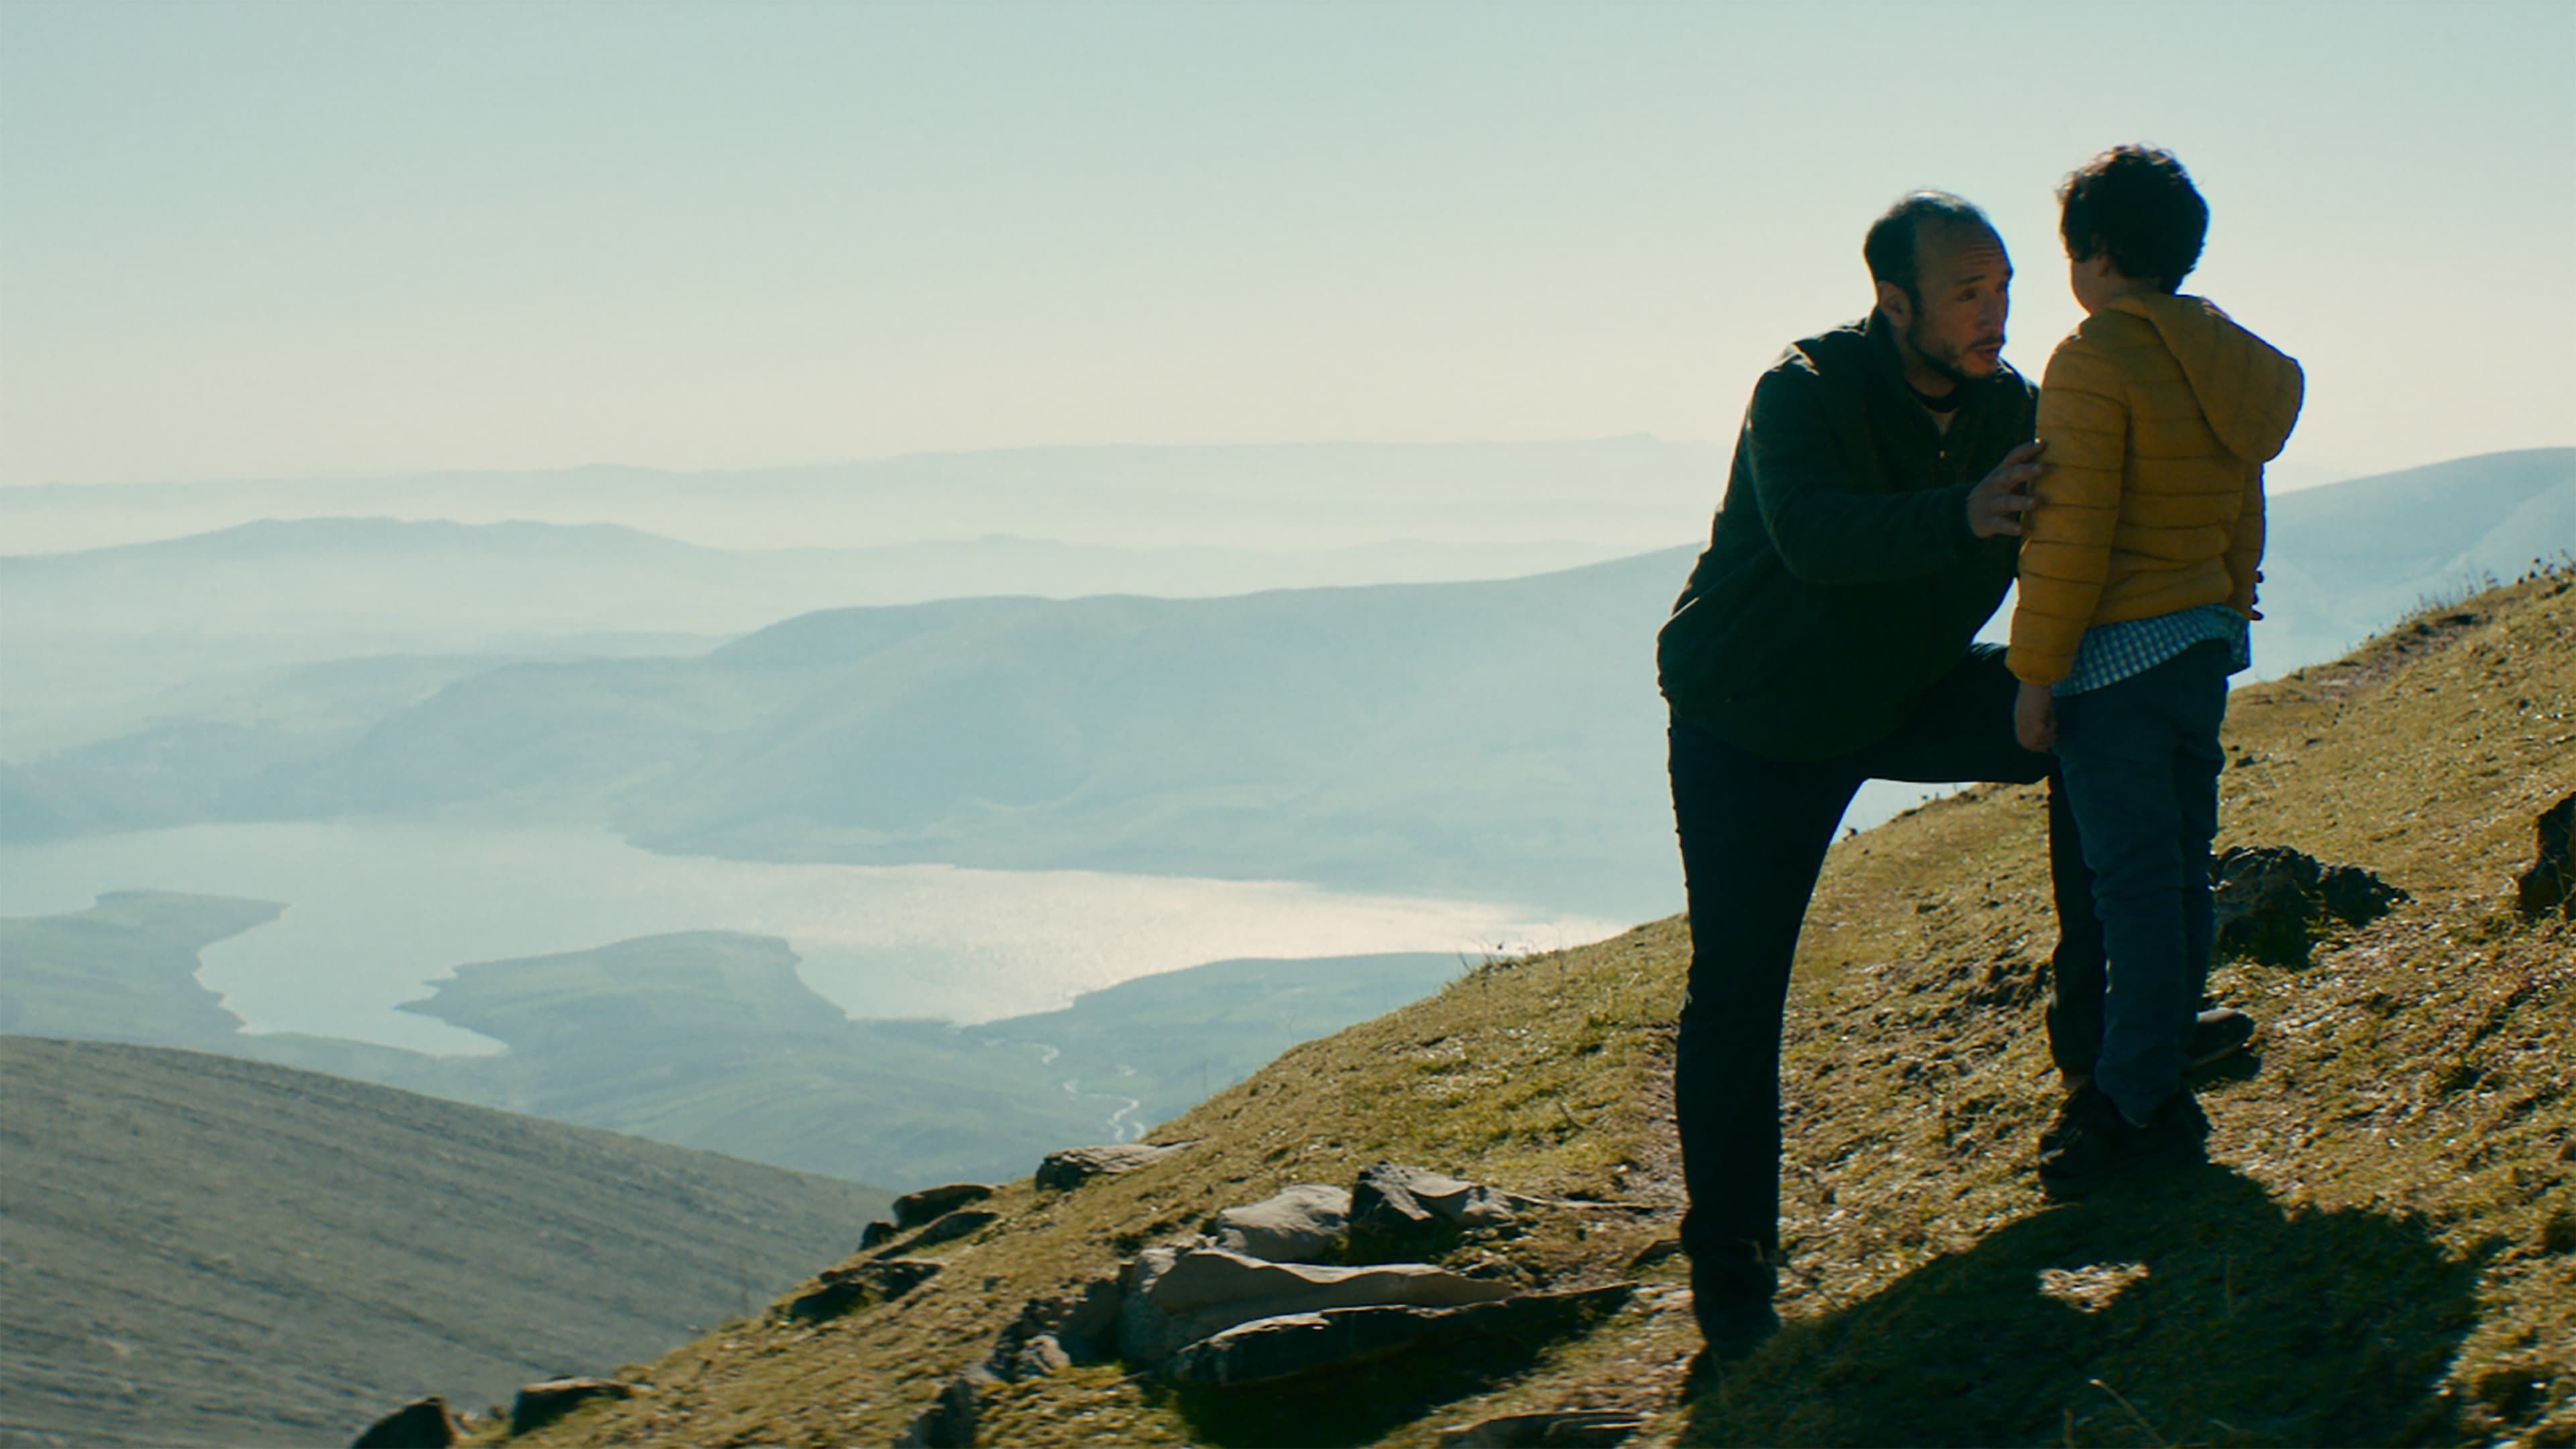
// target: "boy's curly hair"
[[2138, 205]]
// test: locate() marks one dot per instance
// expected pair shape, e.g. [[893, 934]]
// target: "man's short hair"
[[2136, 205], [1890, 248]]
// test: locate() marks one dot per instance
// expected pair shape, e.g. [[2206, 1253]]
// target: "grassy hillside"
[[2384, 1249], [206, 1251], [123, 970]]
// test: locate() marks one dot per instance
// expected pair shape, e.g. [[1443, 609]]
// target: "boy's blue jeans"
[[2141, 760]]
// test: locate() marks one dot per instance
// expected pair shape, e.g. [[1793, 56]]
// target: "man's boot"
[[1731, 1291]]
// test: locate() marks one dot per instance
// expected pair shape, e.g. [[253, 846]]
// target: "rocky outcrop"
[[2550, 884], [1268, 1350], [1301, 1224], [915, 1208], [949, 1422], [946, 1229], [1568, 1428], [1411, 1212], [2270, 901], [1212, 1315], [420, 1424], [861, 1285], [1051, 1334], [1172, 1297], [1071, 1167], [877, 1234], [540, 1404]]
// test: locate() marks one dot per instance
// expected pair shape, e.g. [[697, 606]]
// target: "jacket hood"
[[2248, 389]]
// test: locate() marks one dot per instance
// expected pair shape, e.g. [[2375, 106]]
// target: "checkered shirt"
[[2113, 652]]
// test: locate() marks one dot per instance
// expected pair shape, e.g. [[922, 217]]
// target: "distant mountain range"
[[445, 585], [1494, 740], [207, 1251], [2347, 560], [1620, 494], [95, 642]]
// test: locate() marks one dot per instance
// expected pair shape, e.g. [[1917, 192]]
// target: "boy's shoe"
[[2090, 1143], [2217, 1034]]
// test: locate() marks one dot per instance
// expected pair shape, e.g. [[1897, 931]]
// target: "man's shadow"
[[2188, 1311]]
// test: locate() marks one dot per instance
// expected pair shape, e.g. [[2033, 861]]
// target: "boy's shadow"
[[2193, 1310]]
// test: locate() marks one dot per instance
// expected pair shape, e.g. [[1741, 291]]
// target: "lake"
[[376, 912]]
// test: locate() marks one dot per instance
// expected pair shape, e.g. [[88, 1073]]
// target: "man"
[[1869, 529]]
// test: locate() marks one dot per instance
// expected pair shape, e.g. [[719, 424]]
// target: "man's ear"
[[1898, 306]]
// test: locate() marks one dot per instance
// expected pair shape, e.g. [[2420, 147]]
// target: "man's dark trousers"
[[1753, 837]]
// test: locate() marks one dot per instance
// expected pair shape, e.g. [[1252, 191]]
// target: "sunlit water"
[[378, 912]]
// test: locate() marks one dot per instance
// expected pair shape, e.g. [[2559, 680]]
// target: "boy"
[[2137, 583]]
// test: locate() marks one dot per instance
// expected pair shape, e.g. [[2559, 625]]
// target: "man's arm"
[[2066, 554], [1828, 534]]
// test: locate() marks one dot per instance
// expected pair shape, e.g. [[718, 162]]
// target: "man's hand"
[[2035, 718], [1996, 505]]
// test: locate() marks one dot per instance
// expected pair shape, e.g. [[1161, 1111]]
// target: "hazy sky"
[[294, 238]]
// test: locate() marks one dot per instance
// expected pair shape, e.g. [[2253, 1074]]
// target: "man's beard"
[[1944, 364]]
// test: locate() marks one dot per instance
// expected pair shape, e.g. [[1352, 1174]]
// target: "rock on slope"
[[2383, 1250], [196, 1250]]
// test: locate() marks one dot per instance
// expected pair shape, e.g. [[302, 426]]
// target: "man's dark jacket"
[[1841, 578]]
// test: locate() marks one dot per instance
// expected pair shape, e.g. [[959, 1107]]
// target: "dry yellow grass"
[[2382, 1252]]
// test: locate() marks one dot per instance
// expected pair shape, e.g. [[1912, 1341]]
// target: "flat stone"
[[1571, 1428], [1073, 1166], [1173, 1297], [540, 1404], [1286, 1346], [915, 1208], [1300, 1224]]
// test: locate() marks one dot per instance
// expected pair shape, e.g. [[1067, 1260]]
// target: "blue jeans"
[[2141, 761]]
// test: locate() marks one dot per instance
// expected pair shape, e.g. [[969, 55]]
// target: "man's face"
[[1964, 282]]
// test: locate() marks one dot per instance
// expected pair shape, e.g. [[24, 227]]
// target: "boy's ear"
[[1898, 306]]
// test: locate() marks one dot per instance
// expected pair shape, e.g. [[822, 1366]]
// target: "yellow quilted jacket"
[[2159, 413]]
